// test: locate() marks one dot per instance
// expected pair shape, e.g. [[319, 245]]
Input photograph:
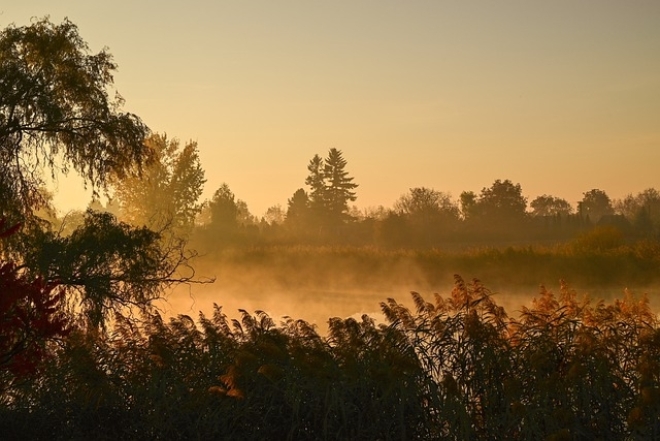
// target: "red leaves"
[[30, 315]]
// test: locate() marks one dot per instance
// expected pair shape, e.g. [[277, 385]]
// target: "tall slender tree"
[[331, 188], [316, 182], [339, 186]]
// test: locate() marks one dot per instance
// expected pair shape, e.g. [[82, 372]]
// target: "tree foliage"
[[316, 182], [339, 186], [426, 204], [643, 210], [550, 206], [595, 204], [331, 188], [57, 114], [166, 194], [108, 265], [503, 200]]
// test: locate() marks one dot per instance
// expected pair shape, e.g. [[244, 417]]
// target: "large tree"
[[167, 194], [331, 188], [58, 112], [503, 200], [339, 186], [499, 209]]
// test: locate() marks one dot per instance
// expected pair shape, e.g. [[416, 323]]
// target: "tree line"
[[322, 212], [165, 197]]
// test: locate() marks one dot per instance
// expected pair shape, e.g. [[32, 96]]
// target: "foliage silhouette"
[[30, 315], [105, 264], [595, 204], [55, 104], [330, 191]]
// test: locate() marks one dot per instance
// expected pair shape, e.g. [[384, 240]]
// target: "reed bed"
[[456, 367]]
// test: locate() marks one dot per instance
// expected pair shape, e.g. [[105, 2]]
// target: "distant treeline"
[[165, 197]]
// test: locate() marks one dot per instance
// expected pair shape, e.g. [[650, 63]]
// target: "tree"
[[339, 186], [243, 215], [316, 181], [56, 114], [223, 209], [105, 265], [643, 210], [595, 204], [503, 200], [428, 215], [468, 200], [426, 204], [298, 213], [167, 192], [550, 206], [275, 215], [330, 188]]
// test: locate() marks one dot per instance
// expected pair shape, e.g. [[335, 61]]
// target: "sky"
[[559, 96]]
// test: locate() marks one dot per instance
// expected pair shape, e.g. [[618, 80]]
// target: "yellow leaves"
[[230, 380]]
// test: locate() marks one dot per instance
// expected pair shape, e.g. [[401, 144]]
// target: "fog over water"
[[316, 299]]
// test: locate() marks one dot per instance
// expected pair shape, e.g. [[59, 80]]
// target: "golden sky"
[[559, 96]]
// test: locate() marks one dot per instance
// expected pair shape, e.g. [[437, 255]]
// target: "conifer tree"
[[330, 188], [339, 186]]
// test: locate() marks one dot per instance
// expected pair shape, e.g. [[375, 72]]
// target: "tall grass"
[[457, 367]]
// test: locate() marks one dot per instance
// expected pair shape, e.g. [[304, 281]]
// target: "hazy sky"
[[559, 96]]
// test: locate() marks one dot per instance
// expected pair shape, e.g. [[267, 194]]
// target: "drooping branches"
[[57, 113]]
